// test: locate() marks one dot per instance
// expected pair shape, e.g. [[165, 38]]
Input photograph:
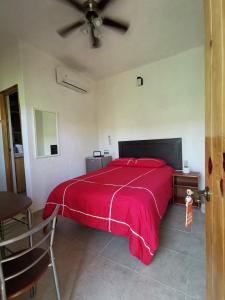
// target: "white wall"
[[34, 72], [169, 105], [76, 123], [9, 64], [10, 75]]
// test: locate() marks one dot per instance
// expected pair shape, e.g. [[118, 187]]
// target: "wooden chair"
[[21, 271]]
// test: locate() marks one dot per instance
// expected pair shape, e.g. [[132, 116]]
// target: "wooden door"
[[6, 143], [20, 175], [215, 147]]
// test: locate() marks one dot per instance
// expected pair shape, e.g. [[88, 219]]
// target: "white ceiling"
[[158, 29]]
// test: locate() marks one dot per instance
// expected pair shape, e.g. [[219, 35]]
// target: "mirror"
[[46, 132]]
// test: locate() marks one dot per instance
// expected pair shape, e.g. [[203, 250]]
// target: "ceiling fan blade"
[[103, 3], [75, 4], [121, 26], [96, 43], [69, 28]]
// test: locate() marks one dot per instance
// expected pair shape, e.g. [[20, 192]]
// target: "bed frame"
[[168, 149]]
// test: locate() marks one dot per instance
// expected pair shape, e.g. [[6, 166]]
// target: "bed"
[[127, 199]]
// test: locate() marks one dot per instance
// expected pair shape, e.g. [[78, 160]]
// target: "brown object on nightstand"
[[182, 182]]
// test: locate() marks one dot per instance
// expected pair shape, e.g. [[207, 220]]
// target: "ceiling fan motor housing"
[[91, 11], [91, 5], [91, 15]]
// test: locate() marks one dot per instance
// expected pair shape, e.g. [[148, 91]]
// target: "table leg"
[[29, 225]]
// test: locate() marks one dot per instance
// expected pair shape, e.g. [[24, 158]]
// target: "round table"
[[11, 205]]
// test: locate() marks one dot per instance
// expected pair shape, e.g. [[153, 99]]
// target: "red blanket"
[[126, 201]]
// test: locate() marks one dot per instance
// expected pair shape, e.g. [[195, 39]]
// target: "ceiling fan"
[[93, 21]]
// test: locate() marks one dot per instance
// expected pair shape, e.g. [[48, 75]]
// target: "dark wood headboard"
[[168, 149]]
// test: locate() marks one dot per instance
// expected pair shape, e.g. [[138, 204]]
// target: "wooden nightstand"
[[182, 182], [96, 163]]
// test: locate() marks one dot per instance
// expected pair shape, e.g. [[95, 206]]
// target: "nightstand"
[[96, 163], [182, 182]]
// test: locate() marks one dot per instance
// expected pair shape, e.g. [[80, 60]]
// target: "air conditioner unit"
[[72, 80]]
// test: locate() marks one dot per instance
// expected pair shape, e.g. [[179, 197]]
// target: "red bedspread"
[[126, 201]]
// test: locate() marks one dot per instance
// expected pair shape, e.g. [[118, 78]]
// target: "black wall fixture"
[[140, 81]]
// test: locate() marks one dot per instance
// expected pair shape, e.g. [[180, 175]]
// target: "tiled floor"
[[96, 265]]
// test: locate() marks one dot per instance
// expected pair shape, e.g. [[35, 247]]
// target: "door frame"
[[6, 135]]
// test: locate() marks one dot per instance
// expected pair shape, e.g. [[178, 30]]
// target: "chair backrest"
[[47, 239]]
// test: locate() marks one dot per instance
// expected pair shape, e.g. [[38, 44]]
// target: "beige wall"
[[10, 75], [34, 72], [76, 122], [169, 105]]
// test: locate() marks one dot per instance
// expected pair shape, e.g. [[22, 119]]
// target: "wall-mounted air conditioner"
[[72, 80]]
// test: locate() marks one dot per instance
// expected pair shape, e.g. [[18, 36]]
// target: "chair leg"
[[33, 291], [3, 294], [52, 258], [2, 285], [29, 225], [2, 237]]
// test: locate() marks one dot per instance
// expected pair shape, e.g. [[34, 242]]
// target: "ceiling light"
[[97, 22], [85, 29], [97, 33]]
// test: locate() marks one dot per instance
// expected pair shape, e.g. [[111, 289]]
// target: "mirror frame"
[[35, 134]]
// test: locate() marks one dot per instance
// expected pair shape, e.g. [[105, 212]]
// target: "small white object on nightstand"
[[186, 168]]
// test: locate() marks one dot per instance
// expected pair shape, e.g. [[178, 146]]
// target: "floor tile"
[[103, 279], [73, 260], [143, 288], [108, 280], [175, 219], [184, 242], [95, 265], [199, 228], [118, 250], [92, 239], [169, 267], [196, 286]]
